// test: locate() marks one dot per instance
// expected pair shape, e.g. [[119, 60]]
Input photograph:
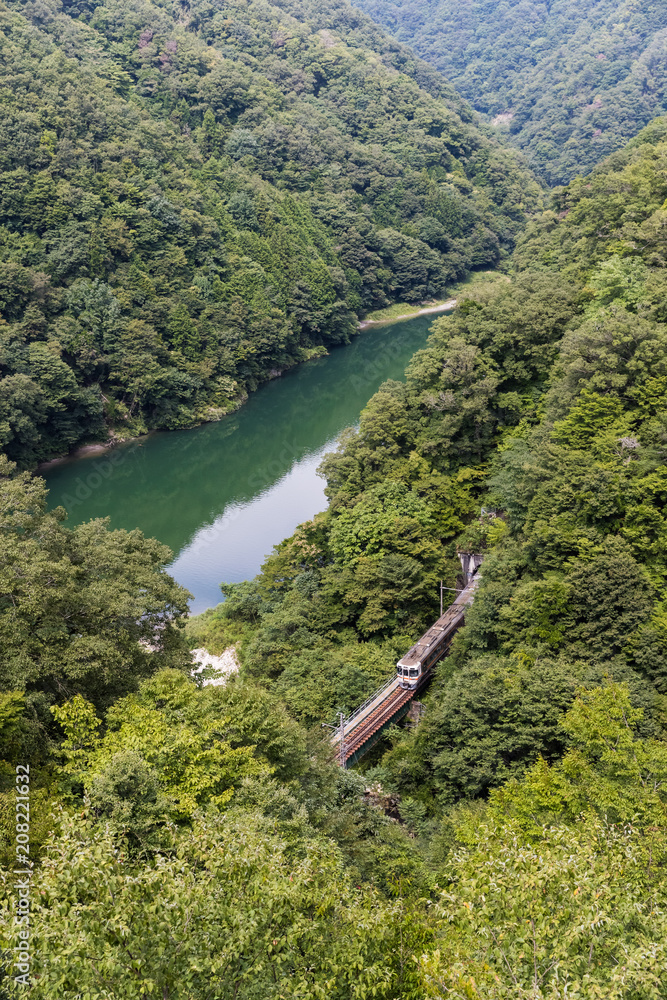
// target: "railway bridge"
[[355, 735]]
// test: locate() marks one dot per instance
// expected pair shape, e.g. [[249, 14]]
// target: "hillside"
[[533, 428], [196, 843], [503, 410], [194, 199], [567, 82], [167, 224]]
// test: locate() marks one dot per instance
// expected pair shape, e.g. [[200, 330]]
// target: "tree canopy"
[[567, 82], [195, 200], [171, 172], [531, 428]]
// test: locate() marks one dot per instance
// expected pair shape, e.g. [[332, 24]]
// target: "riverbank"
[[208, 416], [222, 495], [399, 312], [438, 308], [115, 439], [312, 354], [475, 285], [86, 450]]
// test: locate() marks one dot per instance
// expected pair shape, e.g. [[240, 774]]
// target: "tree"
[[273, 923], [562, 82], [609, 770], [383, 514], [260, 240], [610, 596], [581, 910], [149, 765], [485, 723], [85, 610]]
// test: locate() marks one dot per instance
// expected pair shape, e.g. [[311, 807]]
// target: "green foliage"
[[602, 227], [591, 414], [619, 279], [272, 923], [380, 515], [542, 398], [11, 710], [567, 83], [190, 203], [484, 370], [195, 764], [125, 794], [85, 611], [194, 745], [580, 913], [204, 807], [532, 427], [545, 897], [609, 770], [484, 723], [80, 724]]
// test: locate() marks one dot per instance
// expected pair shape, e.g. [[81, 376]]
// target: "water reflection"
[[222, 495]]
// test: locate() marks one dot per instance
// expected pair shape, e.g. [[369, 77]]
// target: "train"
[[413, 668]]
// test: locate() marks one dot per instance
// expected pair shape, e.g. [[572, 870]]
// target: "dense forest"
[[532, 428], [568, 82], [194, 198], [197, 842]]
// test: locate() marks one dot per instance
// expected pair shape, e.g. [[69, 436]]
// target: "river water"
[[222, 495]]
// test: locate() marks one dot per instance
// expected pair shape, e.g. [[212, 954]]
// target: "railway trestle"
[[389, 704]]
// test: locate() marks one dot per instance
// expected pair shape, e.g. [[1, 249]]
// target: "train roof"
[[446, 624], [433, 637]]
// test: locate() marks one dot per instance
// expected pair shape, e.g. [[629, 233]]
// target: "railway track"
[[389, 703], [367, 726]]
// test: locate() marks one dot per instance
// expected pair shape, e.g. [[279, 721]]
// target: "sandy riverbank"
[[443, 307], [85, 450]]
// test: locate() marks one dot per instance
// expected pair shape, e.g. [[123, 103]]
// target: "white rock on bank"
[[224, 665]]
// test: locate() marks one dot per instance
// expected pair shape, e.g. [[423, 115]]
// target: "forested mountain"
[[533, 428], [171, 173], [566, 81], [503, 407], [193, 198], [196, 842]]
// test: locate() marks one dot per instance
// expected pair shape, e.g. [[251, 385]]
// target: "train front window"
[[413, 671]]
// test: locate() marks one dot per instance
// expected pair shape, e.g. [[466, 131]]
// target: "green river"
[[222, 495]]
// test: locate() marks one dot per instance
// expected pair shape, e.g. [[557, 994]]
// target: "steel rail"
[[377, 710]]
